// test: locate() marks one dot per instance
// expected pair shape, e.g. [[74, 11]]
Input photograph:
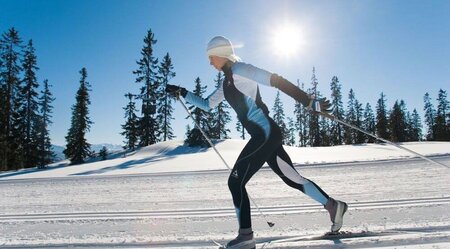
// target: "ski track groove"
[[387, 237], [221, 212]]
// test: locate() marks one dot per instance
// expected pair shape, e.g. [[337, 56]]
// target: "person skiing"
[[240, 88]]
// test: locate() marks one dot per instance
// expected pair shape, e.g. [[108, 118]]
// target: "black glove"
[[176, 91], [319, 105]]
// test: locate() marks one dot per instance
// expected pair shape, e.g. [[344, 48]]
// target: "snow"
[[174, 156], [171, 196]]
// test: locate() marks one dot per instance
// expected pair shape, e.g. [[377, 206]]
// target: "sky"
[[400, 48]]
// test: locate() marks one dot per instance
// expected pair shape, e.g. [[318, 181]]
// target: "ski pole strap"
[[382, 139]]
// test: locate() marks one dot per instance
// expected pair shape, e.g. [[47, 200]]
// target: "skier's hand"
[[319, 105], [176, 91]]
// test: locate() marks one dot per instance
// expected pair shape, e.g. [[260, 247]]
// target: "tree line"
[[26, 106], [396, 124]]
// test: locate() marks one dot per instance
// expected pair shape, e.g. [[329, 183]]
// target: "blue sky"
[[401, 48]]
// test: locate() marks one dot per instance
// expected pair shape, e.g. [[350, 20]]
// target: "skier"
[[240, 89]]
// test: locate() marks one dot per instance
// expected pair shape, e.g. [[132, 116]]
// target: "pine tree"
[[188, 131], [10, 48], [381, 118], [314, 127], [147, 75], [31, 106], [359, 136], [337, 131], [279, 118], [408, 129], [240, 129], [2, 113], [397, 124], [369, 123], [430, 116], [442, 130], [195, 137], [44, 145], [325, 135], [130, 128], [165, 108], [412, 133], [404, 117], [416, 126], [103, 153], [291, 132], [350, 117], [220, 116], [301, 121], [77, 148], [18, 127]]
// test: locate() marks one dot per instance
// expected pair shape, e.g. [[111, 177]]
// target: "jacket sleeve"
[[266, 78], [210, 102], [289, 89], [252, 73]]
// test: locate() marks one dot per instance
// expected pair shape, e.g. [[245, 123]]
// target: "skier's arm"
[[264, 77], [205, 104], [290, 89], [313, 104]]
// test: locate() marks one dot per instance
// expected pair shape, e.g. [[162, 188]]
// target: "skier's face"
[[217, 62]]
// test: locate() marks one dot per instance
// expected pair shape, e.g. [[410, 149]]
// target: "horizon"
[[400, 48]]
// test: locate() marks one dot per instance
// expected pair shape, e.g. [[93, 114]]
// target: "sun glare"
[[287, 40]]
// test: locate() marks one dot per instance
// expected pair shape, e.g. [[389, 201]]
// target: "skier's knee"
[[233, 183]]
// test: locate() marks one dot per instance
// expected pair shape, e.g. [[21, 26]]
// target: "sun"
[[287, 40]]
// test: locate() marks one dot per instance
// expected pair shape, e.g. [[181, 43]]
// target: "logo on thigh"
[[235, 174]]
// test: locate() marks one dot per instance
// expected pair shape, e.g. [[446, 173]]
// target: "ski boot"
[[337, 210], [244, 240]]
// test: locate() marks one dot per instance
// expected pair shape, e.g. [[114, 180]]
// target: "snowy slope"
[[59, 150], [174, 156], [171, 196]]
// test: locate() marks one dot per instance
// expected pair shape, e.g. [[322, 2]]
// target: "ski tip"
[[218, 244]]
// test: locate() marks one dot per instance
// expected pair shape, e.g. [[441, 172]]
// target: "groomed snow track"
[[219, 212], [428, 237], [401, 203]]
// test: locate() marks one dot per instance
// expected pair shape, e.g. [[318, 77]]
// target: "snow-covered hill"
[[174, 156], [59, 155]]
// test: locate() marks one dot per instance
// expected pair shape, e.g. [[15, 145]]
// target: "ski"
[[224, 246], [218, 244], [267, 242], [326, 236]]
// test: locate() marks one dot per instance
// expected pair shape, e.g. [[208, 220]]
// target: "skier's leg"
[[251, 159], [281, 164], [249, 162]]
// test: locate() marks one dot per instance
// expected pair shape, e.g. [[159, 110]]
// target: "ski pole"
[[181, 99], [381, 139]]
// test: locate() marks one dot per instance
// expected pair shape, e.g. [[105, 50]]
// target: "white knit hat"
[[222, 47]]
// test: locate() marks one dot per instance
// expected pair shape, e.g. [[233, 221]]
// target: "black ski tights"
[[258, 151]]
